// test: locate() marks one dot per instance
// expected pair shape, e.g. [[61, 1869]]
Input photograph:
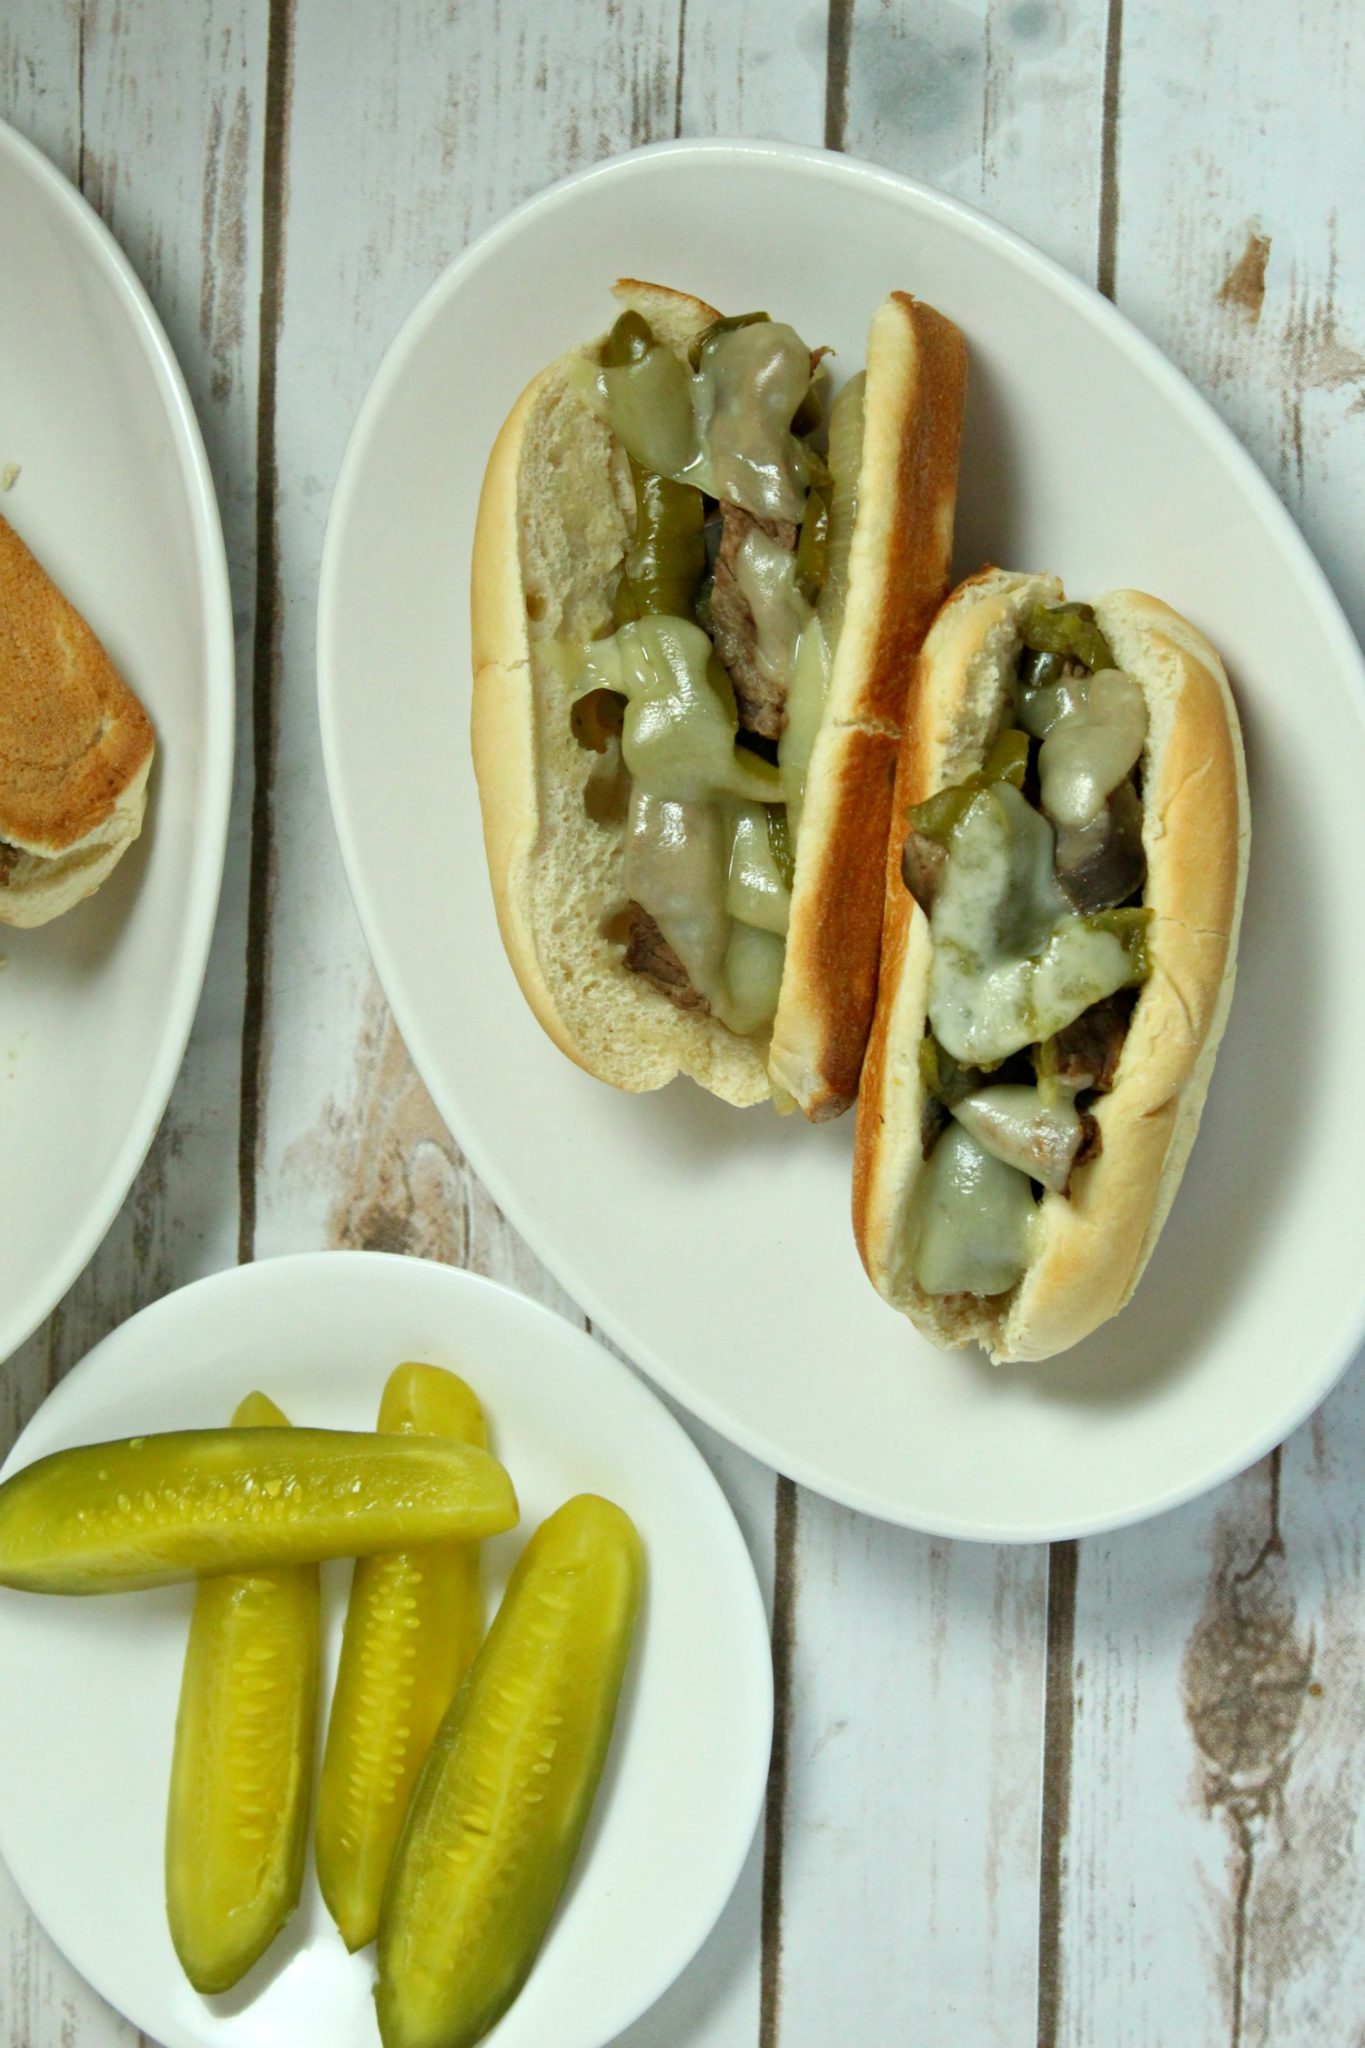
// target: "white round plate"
[[113, 494], [88, 1688], [715, 1246]]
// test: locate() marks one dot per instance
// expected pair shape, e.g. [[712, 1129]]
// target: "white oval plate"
[[87, 1704], [114, 497], [715, 1246]]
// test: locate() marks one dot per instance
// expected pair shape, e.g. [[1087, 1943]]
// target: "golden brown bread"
[[899, 570], [1090, 1249], [551, 533], [75, 747]]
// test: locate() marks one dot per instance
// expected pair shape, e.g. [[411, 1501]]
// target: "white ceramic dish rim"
[[1088, 305], [232, 1277], [32, 1303]]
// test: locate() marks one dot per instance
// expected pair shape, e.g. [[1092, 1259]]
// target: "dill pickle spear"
[[237, 1821], [109, 1518], [412, 1629], [499, 1810]]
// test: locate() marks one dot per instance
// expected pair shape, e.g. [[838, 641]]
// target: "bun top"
[[72, 734]]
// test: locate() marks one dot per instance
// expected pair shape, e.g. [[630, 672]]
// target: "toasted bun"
[[899, 566], [75, 748], [553, 526], [1090, 1249]]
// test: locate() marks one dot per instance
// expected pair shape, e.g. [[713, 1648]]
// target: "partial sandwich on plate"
[[1064, 891], [698, 593], [75, 748]]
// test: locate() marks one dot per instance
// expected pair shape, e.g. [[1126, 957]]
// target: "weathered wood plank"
[[40, 80], [910, 1887], [1148, 1886], [1241, 169], [408, 132], [157, 115], [1208, 1886], [752, 67], [999, 104], [466, 122], [1195, 1740]]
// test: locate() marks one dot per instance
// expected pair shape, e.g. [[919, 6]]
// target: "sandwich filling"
[[704, 701], [1031, 873]]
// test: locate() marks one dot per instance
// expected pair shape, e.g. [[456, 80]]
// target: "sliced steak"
[[762, 705], [1088, 1050], [649, 953]]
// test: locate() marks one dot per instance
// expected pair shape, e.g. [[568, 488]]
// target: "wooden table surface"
[[1102, 1794]]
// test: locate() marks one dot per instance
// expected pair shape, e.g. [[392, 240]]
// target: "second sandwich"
[[1064, 893]]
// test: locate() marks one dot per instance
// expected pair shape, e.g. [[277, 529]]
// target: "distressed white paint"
[[405, 137], [910, 1880], [998, 103], [909, 1907], [161, 113], [1231, 129], [756, 68]]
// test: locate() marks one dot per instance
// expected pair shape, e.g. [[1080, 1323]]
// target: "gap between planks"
[[1063, 1568], [786, 1506], [266, 638]]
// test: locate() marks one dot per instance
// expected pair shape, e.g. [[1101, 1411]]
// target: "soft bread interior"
[[553, 527], [1090, 1249]]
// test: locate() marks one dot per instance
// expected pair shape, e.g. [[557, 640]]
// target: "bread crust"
[[1089, 1249], [75, 746], [530, 775], [899, 566]]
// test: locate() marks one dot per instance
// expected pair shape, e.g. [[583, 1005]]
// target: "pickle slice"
[[504, 1796], [237, 1822], [108, 1518], [412, 1629]]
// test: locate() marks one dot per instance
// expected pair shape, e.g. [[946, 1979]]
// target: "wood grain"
[[751, 67], [440, 126], [999, 103], [156, 113], [1243, 156], [1214, 1768], [933, 1881], [914, 1785]]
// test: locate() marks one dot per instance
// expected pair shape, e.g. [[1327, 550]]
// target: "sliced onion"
[[1017, 1127], [1090, 751]]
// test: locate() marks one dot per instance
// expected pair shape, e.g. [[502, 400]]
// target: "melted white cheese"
[[972, 1222], [1012, 962]]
